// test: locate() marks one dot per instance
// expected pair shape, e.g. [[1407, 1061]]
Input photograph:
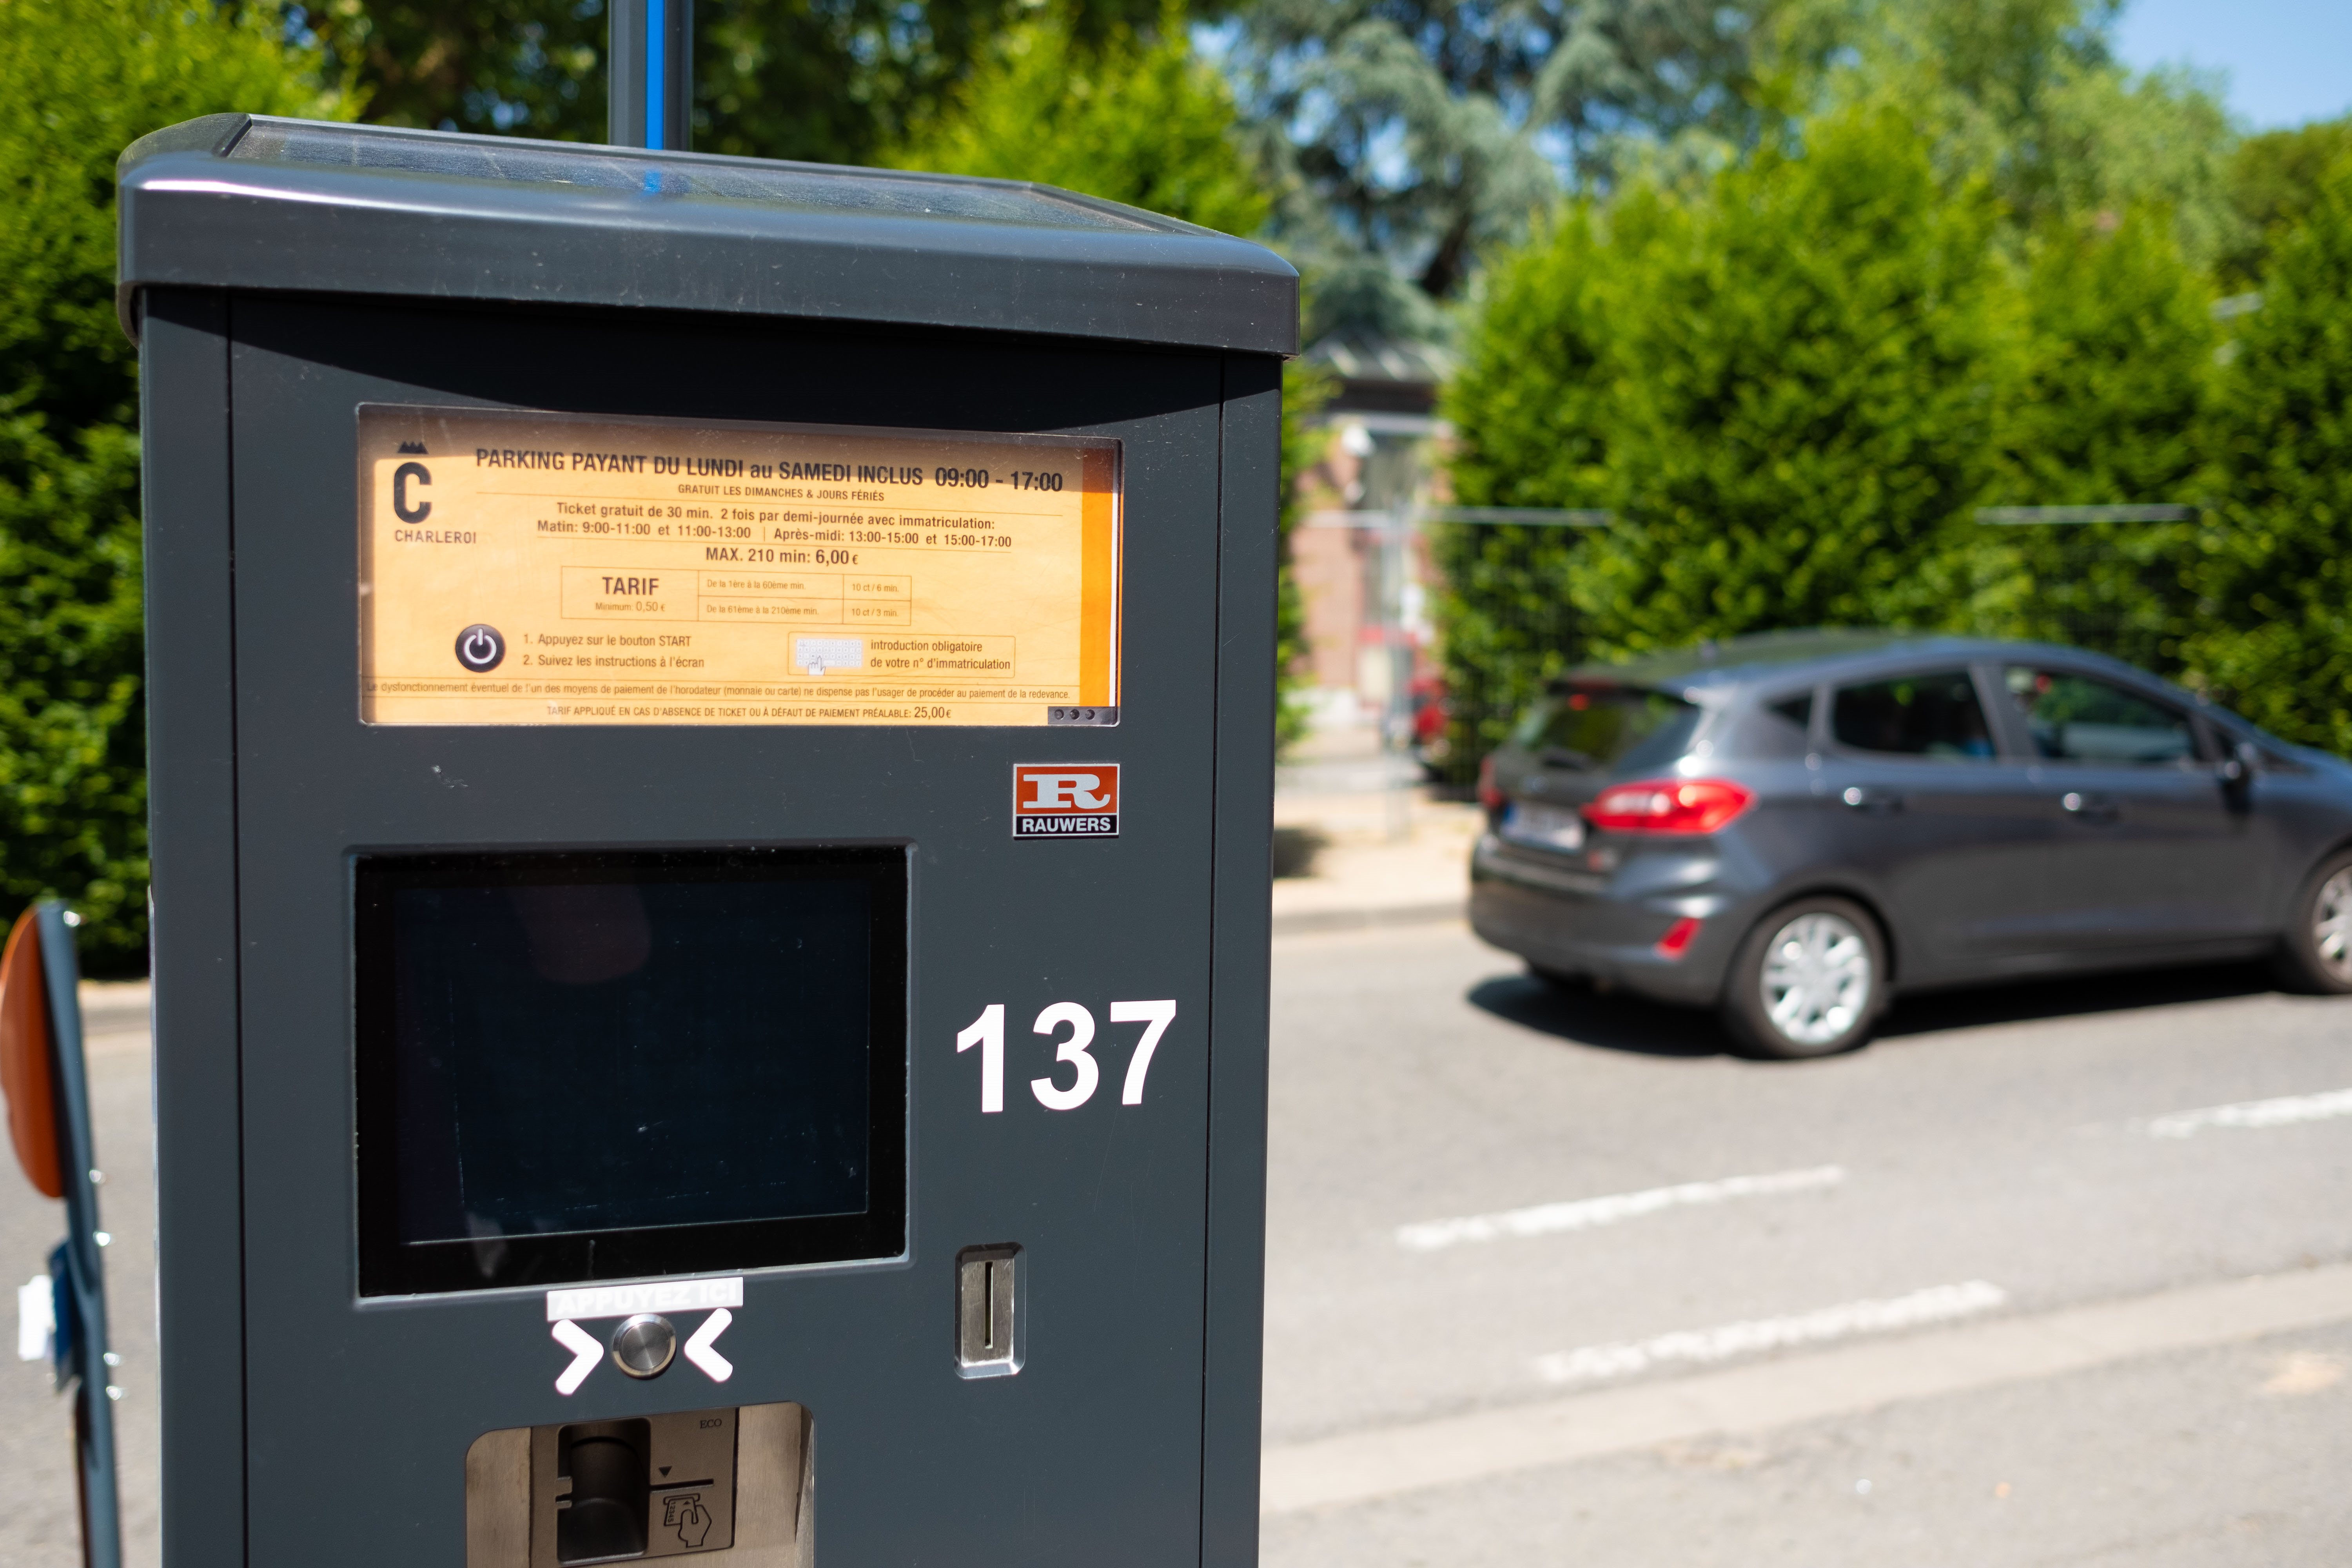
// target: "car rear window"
[[1597, 729], [1932, 715]]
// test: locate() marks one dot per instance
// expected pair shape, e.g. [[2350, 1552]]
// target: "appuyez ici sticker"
[[1065, 800]]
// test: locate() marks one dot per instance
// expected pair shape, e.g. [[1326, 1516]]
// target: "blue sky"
[[2288, 60]]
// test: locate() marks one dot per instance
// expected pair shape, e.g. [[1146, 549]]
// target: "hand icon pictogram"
[[685, 1513]]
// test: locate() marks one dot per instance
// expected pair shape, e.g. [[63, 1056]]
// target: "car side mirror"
[[2236, 771]]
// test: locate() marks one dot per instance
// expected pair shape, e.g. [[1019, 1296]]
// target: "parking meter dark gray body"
[[1099, 1403]]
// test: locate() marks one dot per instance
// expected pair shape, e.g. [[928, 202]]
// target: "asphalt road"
[[1979, 1309], [1982, 1307]]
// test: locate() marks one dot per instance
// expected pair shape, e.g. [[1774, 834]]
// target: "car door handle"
[[1872, 800], [2089, 807]]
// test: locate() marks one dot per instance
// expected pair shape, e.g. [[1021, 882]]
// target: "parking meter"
[[710, 728]]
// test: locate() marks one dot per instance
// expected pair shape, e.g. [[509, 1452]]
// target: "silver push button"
[[642, 1346]]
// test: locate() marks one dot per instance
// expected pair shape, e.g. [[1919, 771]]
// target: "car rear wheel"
[[2315, 954], [1808, 981]]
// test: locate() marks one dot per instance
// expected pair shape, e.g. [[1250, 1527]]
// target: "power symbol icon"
[[480, 648]]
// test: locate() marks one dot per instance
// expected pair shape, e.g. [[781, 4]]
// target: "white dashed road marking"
[[2285, 1112], [1585, 1214], [1940, 1304], [1837, 1380]]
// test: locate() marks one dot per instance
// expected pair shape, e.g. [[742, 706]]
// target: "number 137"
[[987, 1031]]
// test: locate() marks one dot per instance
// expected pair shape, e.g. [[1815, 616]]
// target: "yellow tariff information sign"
[[527, 568]]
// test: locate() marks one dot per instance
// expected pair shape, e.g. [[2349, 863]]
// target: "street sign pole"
[[47, 1088]]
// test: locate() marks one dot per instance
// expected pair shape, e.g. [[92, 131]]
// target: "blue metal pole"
[[649, 63], [656, 72]]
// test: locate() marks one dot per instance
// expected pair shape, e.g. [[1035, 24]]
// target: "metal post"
[[649, 61]]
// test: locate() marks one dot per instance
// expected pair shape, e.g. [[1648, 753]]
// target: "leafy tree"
[[2118, 350], [468, 64], [1133, 120], [2026, 96], [85, 78], [1142, 122], [832, 80], [2275, 179], [2276, 634], [1411, 134]]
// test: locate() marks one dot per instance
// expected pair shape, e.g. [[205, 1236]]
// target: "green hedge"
[[2274, 628], [1785, 387], [1795, 383], [83, 80]]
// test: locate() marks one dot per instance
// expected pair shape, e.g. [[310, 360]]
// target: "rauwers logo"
[[1065, 800]]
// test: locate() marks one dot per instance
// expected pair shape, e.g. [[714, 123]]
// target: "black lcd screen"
[[597, 1065]]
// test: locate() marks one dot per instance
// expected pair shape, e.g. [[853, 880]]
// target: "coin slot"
[[988, 1318]]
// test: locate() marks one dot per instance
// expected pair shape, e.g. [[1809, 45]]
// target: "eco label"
[[531, 568]]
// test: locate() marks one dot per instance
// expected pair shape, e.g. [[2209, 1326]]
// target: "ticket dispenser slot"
[[601, 1491], [660, 1487], [732, 1486]]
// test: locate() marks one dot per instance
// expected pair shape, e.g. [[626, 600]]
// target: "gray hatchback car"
[[1788, 828]]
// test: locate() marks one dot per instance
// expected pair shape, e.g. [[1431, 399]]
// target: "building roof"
[[1379, 374]]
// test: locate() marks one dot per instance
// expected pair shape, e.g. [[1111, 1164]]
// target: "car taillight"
[[1678, 938], [1489, 797], [1668, 805]]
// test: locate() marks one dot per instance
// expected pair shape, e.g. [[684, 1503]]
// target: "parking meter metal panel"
[[699, 1030]]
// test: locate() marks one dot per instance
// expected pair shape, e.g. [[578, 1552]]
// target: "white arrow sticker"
[[699, 1350], [586, 1353]]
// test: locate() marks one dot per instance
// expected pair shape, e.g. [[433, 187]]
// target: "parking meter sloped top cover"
[[254, 202], [808, 187]]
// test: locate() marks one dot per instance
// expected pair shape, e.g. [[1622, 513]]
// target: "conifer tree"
[[1808, 366], [1532, 412], [2274, 633], [2118, 350]]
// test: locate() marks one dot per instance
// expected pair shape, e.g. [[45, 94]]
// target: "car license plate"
[[1546, 827]]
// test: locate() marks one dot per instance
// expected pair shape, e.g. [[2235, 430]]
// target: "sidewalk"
[[1358, 841]]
